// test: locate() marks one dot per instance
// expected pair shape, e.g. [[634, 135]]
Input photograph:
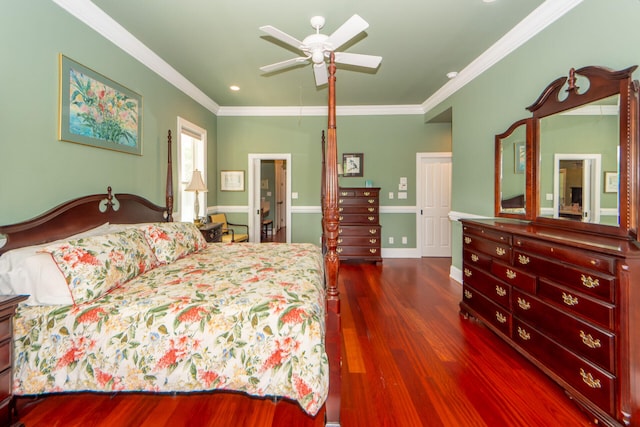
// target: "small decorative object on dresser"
[[8, 305], [212, 232], [359, 231]]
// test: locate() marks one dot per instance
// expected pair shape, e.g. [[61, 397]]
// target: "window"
[[192, 154]]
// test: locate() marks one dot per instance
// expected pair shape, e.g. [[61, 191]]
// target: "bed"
[[143, 304]]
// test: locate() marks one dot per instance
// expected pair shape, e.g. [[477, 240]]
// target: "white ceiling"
[[204, 46]]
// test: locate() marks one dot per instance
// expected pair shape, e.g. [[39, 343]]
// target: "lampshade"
[[196, 184]]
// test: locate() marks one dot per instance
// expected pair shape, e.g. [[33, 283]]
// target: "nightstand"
[[212, 232], [8, 305]]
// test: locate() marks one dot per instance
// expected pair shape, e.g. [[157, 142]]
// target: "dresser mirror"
[[582, 155], [513, 167]]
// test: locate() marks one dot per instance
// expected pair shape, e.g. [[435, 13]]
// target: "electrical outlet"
[[402, 195], [391, 240], [404, 240], [549, 196], [294, 195], [390, 195]]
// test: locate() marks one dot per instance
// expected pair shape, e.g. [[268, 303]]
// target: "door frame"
[[254, 219], [419, 187], [591, 177]]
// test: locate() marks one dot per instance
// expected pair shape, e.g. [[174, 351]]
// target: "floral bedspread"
[[245, 317]]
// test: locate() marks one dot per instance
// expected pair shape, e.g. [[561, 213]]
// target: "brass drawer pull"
[[367, 193], [523, 334], [344, 193], [371, 201], [339, 250], [569, 299], [371, 218], [524, 260], [474, 258], [500, 291], [371, 209], [340, 240], [500, 317], [373, 231], [340, 209], [467, 239], [524, 304], [373, 250], [467, 272], [373, 241], [341, 201], [511, 274], [341, 218], [339, 230], [589, 282], [468, 294], [589, 380], [500, 251], [588, 340]]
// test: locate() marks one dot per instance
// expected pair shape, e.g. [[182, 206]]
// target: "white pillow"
[[24, 271]]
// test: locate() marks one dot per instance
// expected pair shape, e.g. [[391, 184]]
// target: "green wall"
[[389, 145], [36, 170], [594, 33]]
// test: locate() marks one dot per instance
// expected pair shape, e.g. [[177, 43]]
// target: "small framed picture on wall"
[[353, 164]]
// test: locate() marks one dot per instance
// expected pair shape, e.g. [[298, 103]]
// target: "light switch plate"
[[402, 195], [549, 196], [390, 195]]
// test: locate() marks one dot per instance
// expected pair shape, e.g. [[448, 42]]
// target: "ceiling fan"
[[317, 47]]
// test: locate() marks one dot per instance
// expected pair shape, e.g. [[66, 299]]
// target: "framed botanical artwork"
[[232, 180], [353, 164], [610, 182], [520, 157], [96, 111]]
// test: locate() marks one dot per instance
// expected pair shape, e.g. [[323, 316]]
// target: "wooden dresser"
[[568, 301], [359, 231], [8, 304]]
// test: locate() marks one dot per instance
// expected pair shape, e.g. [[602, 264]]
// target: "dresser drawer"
[[359, 192], [359, 230], [358, 251], [363, 210], [477, 259], [574, 256], [590, 308], [588, 281], [514, 276], [359, 241], [359, 219], [497, 250], [489, 311], [592, 382], [357, 201], [593, 343], [488, 285], [5, 327], [494, 235]]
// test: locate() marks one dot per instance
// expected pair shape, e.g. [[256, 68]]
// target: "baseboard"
[[455, 273], [400, 253]]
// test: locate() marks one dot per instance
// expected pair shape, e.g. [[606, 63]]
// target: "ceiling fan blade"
[[283, 64], [321, 74], [354, 26], [369, 61], [282, 36]]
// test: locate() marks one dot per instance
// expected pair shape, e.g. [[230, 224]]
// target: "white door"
[[434, 204]]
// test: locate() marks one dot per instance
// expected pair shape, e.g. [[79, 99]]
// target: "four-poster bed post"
[[332, 263]]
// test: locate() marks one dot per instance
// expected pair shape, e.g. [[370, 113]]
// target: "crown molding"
[[348, 110], [87, 12], [110, 29], [547, 13]]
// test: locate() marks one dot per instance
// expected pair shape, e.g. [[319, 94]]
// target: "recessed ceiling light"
[[234, 88], [452, 74]]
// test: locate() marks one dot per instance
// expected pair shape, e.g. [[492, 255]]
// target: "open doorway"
[[577, 187], [269, 197]]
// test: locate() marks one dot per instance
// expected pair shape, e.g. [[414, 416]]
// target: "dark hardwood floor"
[[410, 360]]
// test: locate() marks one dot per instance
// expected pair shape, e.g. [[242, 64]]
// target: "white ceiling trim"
[[345, 110], [106, 26], [536, 21], [98, 20]]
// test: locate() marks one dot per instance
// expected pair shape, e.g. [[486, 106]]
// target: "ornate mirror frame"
[[562, 95]]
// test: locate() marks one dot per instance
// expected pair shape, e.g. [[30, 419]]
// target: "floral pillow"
[[95, 265], [173, 240]]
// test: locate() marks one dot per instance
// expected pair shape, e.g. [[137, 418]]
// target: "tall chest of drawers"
[[567, 301], [359, 230]]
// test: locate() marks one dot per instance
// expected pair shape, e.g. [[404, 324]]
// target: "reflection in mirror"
[[575, 147], [512, 171], [3, 239]]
